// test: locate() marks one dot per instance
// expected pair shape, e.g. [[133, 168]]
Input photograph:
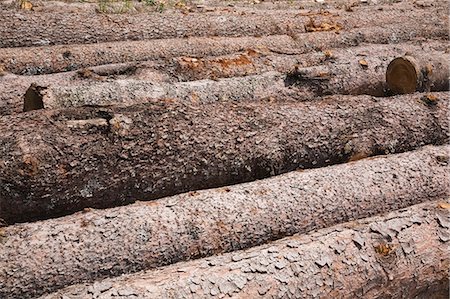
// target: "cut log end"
[[33, 98], [402, 75]]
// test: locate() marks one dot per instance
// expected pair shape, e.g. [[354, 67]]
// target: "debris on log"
[[403, 254], [411, 73], [202, 223], [57, 162]]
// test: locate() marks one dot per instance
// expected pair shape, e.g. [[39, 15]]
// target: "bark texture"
[[60, 58], [340, 70], [42, 256], [257, 61], [41, 28], [403, 254], [353, 73], [58, 162], [415, 72], [129, 92]]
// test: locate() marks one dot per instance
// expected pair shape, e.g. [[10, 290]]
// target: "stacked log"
[[57, 162], [97, 243]]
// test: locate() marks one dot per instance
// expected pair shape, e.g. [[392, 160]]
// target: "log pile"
[[215, 150]]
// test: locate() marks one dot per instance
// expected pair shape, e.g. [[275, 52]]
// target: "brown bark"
[[252, 62], [101, 157], [40, 28], [414, 72], [403, 254], [50, 59], [96, 244], [353, 73], [344, 74]]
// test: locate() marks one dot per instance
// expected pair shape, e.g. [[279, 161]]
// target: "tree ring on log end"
[[402, 75]]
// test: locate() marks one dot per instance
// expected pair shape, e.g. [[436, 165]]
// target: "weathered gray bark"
[[58, 162], [129, 92], [50, 59], [47, 28], [415, 72], [95, 244], [404, 254]]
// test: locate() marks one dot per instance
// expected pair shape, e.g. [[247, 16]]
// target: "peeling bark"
[[68, 28], [414, 72], [58, 162], [98, 243], [398, 255]]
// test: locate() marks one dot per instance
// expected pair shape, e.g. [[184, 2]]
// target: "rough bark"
[[50, 59], [403, 254], [414, 72], [95, 244], [354, 73], [100, 157], [41, 28], [252, 62], [345, 74]]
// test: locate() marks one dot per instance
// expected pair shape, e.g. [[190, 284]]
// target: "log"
[[61, 58], [340, 72], [413, 72], [99, 243], [48, 28], [252, 62], [130, 92], [403, 254], [352, 74], [103, 157]]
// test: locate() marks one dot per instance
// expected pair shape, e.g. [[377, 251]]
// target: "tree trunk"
[[403, 254], [351, 74], [95, 244], [130, 92], [48, 28], [102, 157], [341, 72], [418, 72], [50, 59], [334, 61]]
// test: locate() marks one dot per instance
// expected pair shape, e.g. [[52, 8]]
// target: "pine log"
[[101, 157], [60, 58], [130, 92], [100, 243], [352, 74], [403, 254], [41, 28], [340, 72], [252, 62], [414, 72]]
